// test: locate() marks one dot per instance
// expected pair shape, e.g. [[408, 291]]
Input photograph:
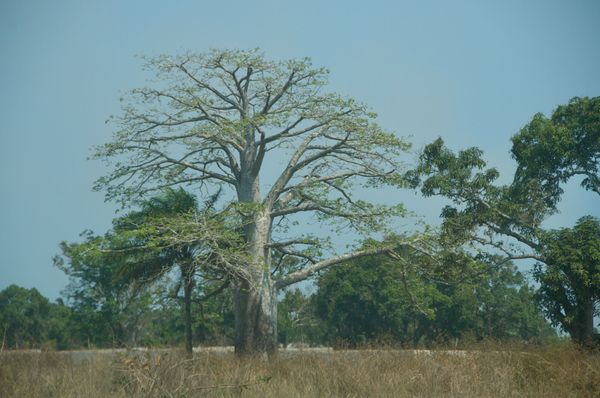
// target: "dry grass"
[[553, 371]]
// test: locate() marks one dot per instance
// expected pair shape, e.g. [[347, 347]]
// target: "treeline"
[[374, 300], [96, 318]]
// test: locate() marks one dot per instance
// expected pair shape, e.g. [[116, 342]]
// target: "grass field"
[[553, 371]]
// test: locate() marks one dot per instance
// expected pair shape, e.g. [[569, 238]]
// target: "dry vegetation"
[[554, 371]]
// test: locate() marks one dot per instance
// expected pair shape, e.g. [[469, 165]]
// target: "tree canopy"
[[553, 150], [508, 218], [413, 301], [214, 121]]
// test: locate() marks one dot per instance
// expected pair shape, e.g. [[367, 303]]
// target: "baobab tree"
[[215, 120]]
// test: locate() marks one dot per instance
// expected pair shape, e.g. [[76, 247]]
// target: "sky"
[[473, 72]]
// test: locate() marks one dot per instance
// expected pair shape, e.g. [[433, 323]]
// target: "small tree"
[[168, 233], [297, 321], [141, 231], [106, 310], [218, 120], [28, 319]]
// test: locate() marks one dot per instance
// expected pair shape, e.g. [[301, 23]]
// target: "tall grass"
[[558, 370]]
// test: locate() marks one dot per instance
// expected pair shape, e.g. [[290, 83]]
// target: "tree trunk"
[[188, 284], [588, 327], [582, 327], [255, 319], [255, 299]]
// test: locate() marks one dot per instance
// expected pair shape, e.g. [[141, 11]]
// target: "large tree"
[[269, 133], [508, 218]]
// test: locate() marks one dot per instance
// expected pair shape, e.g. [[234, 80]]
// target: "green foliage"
[[29, 320], [106, 309], [411, 300], [481, 211], [154, 318], [507, 219], [212, 318], [548, 152], [553, 150], [115, 277], [570, 278]]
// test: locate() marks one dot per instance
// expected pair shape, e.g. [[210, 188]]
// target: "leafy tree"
[[145, 245], [28, 319], [58, 333], [481, 212], [508, 218], [412, 300], [219, 120], [297, 321], [570, 279], [364, 300], [505, 306], [106, 310], [133, 229], [212, 317]]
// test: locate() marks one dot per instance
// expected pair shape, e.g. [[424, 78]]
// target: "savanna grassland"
[[558, 370]]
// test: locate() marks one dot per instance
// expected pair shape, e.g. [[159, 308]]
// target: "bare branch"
[[210, 88], [301, 275], [293, 242], [204, 170]]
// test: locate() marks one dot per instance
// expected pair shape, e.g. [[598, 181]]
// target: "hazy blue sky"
[[471, 71]]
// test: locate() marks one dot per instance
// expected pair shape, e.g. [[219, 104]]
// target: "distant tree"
[[499, 303], [297, 321], [219, 120], [212, 317], [570, 278], [106, 310], [58, 333], [410, 300], [28, 319], [365, 300]]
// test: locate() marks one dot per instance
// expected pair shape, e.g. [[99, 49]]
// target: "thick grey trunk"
[[255, 299], [255, 319]]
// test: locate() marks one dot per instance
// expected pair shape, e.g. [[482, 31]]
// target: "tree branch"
[[305, 273]]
